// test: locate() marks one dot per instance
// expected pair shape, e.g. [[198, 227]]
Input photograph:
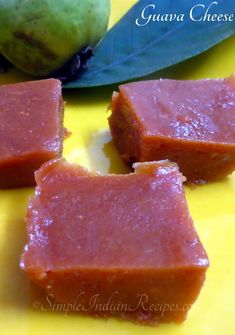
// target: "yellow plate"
[[212, 207]]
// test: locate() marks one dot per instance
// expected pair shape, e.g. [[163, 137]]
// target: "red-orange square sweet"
[[120, 245], [31, 129], [189, 122]]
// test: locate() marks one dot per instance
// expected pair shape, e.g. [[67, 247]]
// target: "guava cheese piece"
[[119, 245], [190, 122], [31, 129]]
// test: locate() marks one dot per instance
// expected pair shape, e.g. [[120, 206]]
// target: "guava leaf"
[[130, 51]]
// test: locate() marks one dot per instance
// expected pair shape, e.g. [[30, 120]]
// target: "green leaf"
[[129, 51]]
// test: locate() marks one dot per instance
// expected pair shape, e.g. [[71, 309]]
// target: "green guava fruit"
[[40, 36]]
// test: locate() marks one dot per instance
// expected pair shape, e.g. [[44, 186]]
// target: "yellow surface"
[[212, 207]]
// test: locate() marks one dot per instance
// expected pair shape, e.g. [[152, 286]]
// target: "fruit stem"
[[74, 68]]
